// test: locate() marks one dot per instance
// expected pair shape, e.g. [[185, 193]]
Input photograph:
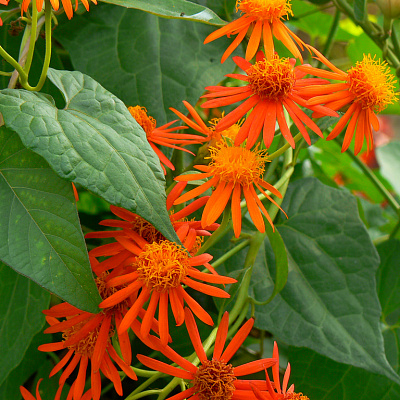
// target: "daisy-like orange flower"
[[214, 379], [67, 4], [163, 135], [274, 390], [272, 86], [367, 88], [233, 171], [211, 135], [263, 20], [87, 338], [156, 272]]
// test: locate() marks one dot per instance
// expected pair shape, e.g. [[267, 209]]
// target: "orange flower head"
[[230, 132], [214, 380], [267, 10], [162, 266], [163, 135], [372, 83], [147, 122], [233, 171], [261, 20], [55, 4], [272, 79], [366, 89], [237, 164]]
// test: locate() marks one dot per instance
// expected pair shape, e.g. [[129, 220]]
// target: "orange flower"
[[214, 379], [233, 171], [274, 390], [67, 4], [87, 336], [163, 135], [367, 88], [156, 272], [272, 85], [27, 396], [263, 19], [212, 136]]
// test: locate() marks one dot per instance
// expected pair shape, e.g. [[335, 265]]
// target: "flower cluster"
[[144, 279]]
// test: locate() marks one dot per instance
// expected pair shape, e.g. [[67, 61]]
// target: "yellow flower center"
[[267, 10], [147, 122], [162, 265], [230, 132], [372, 83], [237, 164], [272, 79], [214, 380], [146, 230], [295, 396], [86, 345], [105, 291]]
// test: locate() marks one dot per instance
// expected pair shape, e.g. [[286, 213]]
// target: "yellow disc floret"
[[237, 164], [214, 381], [372, 84], [162, 265], [295, 396], [147, 122], [266, 10], [272, 79]]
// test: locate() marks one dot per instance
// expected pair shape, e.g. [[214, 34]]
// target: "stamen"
[[214, 380], [147, 122], [267, 10]]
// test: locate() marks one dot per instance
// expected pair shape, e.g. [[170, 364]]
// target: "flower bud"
[[390, 8]]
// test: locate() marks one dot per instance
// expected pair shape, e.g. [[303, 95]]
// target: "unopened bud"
[[390, 8]]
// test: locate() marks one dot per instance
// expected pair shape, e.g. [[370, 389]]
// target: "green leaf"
[[320, 378], [388, 276], [145, 60], [93, 141], [173, 9], [330, 296], [388, 157], [21, 318], [40, 234]]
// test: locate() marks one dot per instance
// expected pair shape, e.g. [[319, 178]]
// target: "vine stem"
[[286, 146]]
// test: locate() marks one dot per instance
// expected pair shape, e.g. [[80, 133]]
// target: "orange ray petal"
[[342, 122], [234, 45], [236, 210], [80, 380], [109, 249], [228, 99], [216, 203], [359, 140], [111, 373], [237, 341], [62, 326], [243, 64], [68, 371], [210, 278], [281, 34], [88, 327], [133, 312], [193, 177], [286, 378], [222, 333], [194, 335], [239, 23], [95, 380], [280, 116], [121, 295], [321, 73], [163, 318], [60, 365], [197, 191], [269, 124], [257, 124], [186, 394], [177, 307], [298, 123], [254, 41], [255, 213], [124, 341], [254, 366], [62, 310], [244, 130], [325, 61], [197, 309], [150, 312], [163, 367], [268, 41], [128, 370], [207, 289]]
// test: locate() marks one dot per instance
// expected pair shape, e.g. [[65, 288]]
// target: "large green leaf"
[[40, 234], [320, 378], [22, 302], [330, 296], [388, 276], [173, 9], [93, 141], [143, 59], [388, 157]]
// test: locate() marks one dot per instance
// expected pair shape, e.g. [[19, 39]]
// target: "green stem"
[[144, 385], [47, 57], [12, 62], [395, 41], [143, 372], [230, 253], [143, 394], [395, 230], [32, 40], [3, 73], [331, 36], [374, 179], [219, 233], [280, 151]]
